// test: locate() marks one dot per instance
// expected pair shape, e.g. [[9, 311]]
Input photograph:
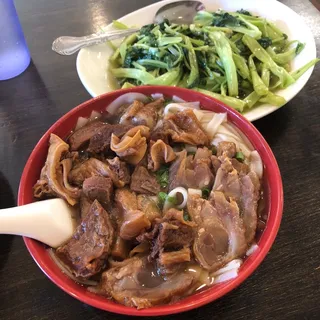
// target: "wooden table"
[[285, 286]]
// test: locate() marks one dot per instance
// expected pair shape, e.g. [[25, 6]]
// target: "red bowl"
[[273, 197]]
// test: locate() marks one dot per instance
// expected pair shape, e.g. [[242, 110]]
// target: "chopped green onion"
[[162, 196], [162, 176], [172, 200], [214, 150], [205, 193], [186, 216], [240, 156]]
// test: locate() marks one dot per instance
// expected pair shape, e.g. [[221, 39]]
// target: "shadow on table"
[[26, 89], [6, 201], [274, 125]]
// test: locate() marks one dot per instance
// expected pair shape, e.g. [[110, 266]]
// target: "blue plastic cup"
[[14, 53]]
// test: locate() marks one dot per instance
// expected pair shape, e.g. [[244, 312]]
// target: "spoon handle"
[[69, 45], [49, 221]]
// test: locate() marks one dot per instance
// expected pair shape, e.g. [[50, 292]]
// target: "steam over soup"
[[168, 199]]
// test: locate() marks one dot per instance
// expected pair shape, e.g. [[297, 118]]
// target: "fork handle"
[[69, 45]]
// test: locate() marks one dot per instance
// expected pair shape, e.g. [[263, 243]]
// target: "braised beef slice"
[[114, 169], [100, 188], [227, 148], [101, 140], [227, 179], [229, 213], [177, 171], [144, 182], [150, 207], [86, 252], [174, 257], [192, 171], [174, 233], [250, 186], [242, 168], [148, 236], [133, 283], [215, 164], [161, 132], [132, 221], [120, 169], [89, 168], [125, 200], [121, 248], [243, 188], [85, 204], [84, 134]]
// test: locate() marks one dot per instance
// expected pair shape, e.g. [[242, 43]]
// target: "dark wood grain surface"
[[285, 286]]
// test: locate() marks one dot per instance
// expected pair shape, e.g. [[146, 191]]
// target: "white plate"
[[92, 62]]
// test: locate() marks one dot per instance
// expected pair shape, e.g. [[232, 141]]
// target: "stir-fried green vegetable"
[[234, 57]]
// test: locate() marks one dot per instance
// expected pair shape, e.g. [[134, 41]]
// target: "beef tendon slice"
[[160, 153], [140, 114], [51, 179], [221, 234], [130, 149]]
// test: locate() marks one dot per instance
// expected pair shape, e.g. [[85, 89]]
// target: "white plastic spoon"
[[51, 221]]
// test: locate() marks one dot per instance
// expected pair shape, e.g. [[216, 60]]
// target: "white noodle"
[[154, 198], [175, 107], [234, 264], [233, 273], [231, 138], [256, 164], [95, 115], [252, 249], [238, 132], [126, 98], [228, 272], [214, 124], [177, 99], [156, 96], [81, 122], [167, 205], [206, 118]]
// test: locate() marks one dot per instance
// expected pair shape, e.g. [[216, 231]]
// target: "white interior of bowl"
[[93, 64]]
